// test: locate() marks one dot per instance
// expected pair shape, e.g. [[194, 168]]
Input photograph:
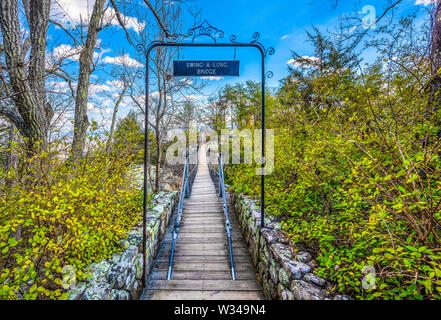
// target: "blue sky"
[[281, 24]]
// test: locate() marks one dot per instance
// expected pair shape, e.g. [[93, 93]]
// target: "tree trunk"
[[115, 111], [11, 155], [81, 122], [435, 57], [31, 113]]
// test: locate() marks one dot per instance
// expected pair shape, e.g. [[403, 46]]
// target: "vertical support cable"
[[187, 187], [220, 173], [184, 193], [222, 192]]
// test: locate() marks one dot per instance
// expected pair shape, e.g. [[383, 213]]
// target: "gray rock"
[[315, 279], [265, 286], [129, 255], [342, 297], [76, 292], [295, 268], [303, 256], [280, 252], [273, 289], [264, 255], [97, 291], [136, 290], [284, 277], [138, 267], [118, 275], [287, 295], [280, 289], [98, 272], [273, 274], [277, 225], [303, 290], [274, 236], [115, 258], [261, 269], [120, 295], [130, 280], [134, 237], [313, 263]]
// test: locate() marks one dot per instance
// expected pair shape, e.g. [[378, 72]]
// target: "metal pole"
[[262, 181], [187, 188], [146, 150]]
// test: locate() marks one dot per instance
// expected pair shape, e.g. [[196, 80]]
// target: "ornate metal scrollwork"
[[256, 36], [270, 51], [205, 29], [140, 74]]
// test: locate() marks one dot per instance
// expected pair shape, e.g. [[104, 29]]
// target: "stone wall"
[[119, 277], [285, 273]]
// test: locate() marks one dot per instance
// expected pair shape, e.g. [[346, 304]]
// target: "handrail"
[[228, 227], [184, 193]]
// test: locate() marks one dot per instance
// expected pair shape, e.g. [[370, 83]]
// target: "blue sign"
[[205, 68]]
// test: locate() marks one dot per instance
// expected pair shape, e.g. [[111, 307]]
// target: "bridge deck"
[[201, 268]]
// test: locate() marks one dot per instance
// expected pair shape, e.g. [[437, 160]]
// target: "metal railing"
[[222, 193], [187, 181]]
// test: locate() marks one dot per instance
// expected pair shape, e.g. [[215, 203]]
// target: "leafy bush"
[[357, 175], [60, 213]]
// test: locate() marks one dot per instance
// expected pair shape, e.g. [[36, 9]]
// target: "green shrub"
[[61, 213], [357, 179]]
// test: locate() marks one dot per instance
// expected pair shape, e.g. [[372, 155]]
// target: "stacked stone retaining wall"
[[285, 272], [119, 277]]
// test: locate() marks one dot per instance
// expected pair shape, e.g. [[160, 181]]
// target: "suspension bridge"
[[202, 255]]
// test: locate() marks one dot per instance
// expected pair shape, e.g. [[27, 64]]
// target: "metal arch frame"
[[207, 30]]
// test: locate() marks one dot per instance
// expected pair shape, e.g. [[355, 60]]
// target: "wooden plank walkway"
[[201, 267]]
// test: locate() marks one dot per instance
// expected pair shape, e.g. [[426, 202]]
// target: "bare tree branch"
[[120, 21], [65, 30]]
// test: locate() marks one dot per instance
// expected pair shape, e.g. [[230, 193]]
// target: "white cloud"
[[284, 37], [191, 97], [91, 107], [212, 78], [64, 51], [107, 103], [71, 13], [116, 84], [61, 86], [424, 2], [187, 81], [154, 94], [352, 29], [129, 22], [96, 88], [315, 61], [107, 110], [122, 60]]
